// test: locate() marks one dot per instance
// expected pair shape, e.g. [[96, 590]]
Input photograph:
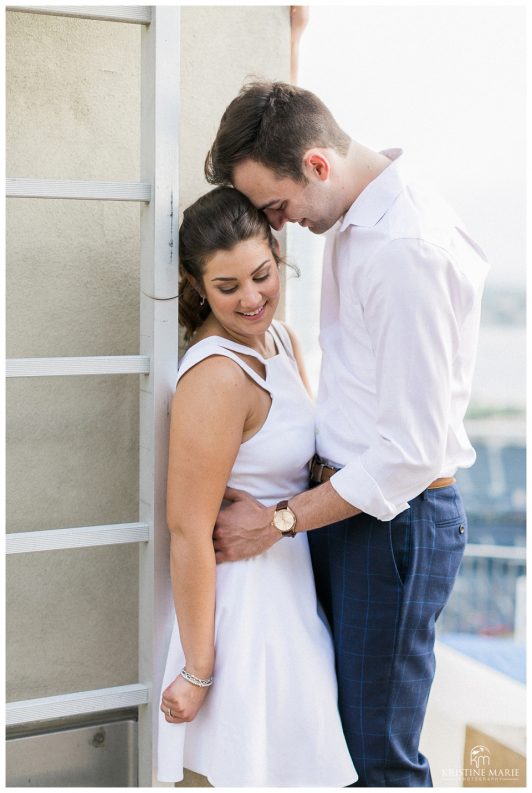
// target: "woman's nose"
[[251, 296]]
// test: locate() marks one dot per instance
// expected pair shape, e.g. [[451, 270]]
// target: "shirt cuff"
[[357, 487]]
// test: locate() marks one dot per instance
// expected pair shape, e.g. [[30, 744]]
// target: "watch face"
[[284, 520]]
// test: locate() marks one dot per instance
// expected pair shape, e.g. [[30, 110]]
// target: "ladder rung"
[[140, 15], [103, 364], [46, 708], [83, 191], [79, 537]]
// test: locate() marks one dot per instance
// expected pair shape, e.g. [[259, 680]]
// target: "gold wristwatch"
[[284, 519]]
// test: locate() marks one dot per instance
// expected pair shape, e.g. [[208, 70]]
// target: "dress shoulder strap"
[[282, 337], [209, 347]]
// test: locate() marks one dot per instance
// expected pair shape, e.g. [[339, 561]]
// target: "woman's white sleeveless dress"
[[270, 719]]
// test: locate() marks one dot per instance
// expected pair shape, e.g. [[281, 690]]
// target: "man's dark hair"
[[273, 124]]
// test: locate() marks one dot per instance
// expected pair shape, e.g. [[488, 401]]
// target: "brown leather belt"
[[320, 472]]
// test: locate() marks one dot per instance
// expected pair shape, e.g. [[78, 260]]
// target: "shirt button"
[[461, 528]]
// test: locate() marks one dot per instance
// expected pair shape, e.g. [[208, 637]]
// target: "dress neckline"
[[243, 347]]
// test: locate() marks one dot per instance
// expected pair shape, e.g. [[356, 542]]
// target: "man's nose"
[[276, 218]]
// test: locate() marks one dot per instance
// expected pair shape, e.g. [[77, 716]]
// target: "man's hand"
[[243, 528]]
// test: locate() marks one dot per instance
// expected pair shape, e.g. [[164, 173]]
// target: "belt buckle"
[[317, 464]]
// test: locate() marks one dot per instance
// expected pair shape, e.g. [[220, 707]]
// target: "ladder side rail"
[[158, 340]]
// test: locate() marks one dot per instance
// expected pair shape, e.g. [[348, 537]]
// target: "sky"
[[446, 84]]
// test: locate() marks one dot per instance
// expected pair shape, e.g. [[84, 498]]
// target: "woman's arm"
[[209, 411]]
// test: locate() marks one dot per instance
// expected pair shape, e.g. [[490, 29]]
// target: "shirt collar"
[[378, 196]]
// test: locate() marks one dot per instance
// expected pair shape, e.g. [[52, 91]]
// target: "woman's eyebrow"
[[232, 277]]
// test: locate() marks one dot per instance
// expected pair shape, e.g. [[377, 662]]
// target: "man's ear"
[[317, 164]]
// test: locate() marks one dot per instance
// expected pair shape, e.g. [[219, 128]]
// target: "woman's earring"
[[202, 301]]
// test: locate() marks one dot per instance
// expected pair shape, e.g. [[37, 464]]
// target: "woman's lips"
[[255, 315]]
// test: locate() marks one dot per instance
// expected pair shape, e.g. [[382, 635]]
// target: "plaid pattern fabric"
[[382, 586]]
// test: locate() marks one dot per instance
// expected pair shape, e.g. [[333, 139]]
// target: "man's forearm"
[[319, 507], [244, 528]]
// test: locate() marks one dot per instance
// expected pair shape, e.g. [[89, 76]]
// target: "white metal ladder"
[[158, 194]]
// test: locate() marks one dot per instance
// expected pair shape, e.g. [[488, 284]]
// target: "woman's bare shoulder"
[[216, 373]]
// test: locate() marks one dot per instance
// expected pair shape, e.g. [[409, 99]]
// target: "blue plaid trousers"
[[382, 586]]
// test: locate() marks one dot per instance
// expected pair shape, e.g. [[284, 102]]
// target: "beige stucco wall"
[[222, 47], [72, 288]]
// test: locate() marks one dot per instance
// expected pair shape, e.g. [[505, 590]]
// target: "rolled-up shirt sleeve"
[[412, 308]]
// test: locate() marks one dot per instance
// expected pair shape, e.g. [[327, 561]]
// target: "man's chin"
[[319, 228]]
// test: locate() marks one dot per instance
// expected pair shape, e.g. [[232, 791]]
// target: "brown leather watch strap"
[[284, 505]]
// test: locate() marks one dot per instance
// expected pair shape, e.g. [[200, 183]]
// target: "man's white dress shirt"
[[400, 314]]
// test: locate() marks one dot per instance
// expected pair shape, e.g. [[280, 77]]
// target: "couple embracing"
[[313, 544]]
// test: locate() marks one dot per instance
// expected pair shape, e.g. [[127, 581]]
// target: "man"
[[400, 314]]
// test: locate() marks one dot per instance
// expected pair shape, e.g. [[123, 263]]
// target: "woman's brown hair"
[[217, 221]]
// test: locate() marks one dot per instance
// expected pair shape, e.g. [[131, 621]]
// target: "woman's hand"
[[181, 701]]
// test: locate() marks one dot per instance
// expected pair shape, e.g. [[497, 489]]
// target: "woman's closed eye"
[[229, 290]]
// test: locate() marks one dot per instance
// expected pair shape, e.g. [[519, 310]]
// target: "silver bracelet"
[[196, 681]]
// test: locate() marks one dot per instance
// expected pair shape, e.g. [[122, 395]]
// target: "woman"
[[249, 692]]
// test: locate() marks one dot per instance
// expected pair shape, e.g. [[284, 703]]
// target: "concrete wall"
[[72, 287], [221, 48]]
